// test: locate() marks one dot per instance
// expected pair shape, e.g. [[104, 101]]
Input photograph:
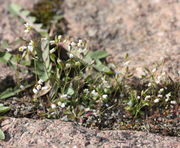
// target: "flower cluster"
[[78, 49], [29, 47], [39, 86], [28, 28]]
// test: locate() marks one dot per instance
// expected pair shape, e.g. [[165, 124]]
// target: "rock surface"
[[149, 30], [24, 132]]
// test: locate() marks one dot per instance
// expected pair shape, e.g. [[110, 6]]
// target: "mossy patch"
[[48, 12]]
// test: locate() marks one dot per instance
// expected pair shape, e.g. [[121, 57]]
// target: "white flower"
[[35, 91], [21, 86], [53, 106], [104, 96], [158, 79], [45, 88], [22, 48], [161, 90], [71, 55], [52, 42], [38, 87], [62, 105], [138, 97], [73, 44], [31, 46], [52, 50], [149, 84], [156, 100], [80, 43], [154, 70], [86, 91], [69, 47], [160, 96], [68, 65], [147, 97], [173, 102], [28, 28], [167, 99], [40, 82], [59, 37], [168, 95], [94, 93], [64, 96]]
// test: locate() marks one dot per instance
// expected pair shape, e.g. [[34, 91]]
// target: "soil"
[[148, 30]]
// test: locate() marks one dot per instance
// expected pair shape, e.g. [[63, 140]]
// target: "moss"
[[46, 10]]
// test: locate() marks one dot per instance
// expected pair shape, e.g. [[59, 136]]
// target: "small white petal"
[[73, 44], [147, 97], [161, 90], [104, 96], [160, 96], [68, 65], [149, 84], [63, 105], [173, 102], [35, 91], [154, 70], [40, 82], [52, 42], [156, 100], [71, 55], [52, 50], [45, 88], [21, 86], [53, 106]]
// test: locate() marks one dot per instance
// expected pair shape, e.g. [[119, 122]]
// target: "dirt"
[[148, 30]]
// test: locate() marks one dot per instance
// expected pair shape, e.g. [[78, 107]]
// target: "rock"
[[55, 133], [147, 30]]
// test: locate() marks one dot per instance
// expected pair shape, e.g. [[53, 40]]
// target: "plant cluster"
[[72, 83]]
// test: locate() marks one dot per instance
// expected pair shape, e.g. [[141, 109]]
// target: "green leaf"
[[41, 70], [12, 92], [32, 19], [5, 57], [70, 91], [99, 54], [45, 52], [102, 68], [25, 13], [14, 8], [3, 108], [53, 57], [2, 136]]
